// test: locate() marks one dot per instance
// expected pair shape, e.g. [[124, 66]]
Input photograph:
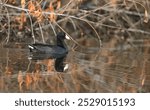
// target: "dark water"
[[117, 67]]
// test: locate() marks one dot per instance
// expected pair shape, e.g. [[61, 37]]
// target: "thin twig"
[[8, 35], [41, 32], [31, 26]]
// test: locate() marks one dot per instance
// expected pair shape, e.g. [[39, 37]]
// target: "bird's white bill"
[[67, 37], [66, 67], [31, 47]]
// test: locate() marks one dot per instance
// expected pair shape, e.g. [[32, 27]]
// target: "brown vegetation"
[[107, 23]]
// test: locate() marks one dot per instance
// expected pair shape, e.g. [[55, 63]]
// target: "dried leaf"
[[20, 80], [52, 16], [58, 4], [113, 2], [143, 81], [35, 10], [11, 1], [39, 15], [28, 80], [146, 19], [31, 7], [22, 20], [20, 77], [50, 65], [23, 2]]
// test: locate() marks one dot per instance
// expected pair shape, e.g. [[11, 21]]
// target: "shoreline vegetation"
[[37, 19], [109, 47]]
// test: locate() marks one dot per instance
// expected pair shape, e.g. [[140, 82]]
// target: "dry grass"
[[100, 18]]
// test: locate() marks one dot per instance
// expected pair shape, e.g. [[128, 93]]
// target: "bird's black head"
[[62, 35]]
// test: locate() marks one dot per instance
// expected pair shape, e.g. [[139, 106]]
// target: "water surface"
[[119, 66]]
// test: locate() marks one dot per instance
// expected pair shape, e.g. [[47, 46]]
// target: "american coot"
[[58, 52]]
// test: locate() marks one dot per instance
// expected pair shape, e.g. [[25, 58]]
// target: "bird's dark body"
[[53, 51]]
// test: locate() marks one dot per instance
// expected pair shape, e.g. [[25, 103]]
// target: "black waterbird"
[[58, 52]]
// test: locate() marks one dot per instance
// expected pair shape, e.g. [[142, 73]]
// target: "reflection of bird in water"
[[59, 64], [45, 51]]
